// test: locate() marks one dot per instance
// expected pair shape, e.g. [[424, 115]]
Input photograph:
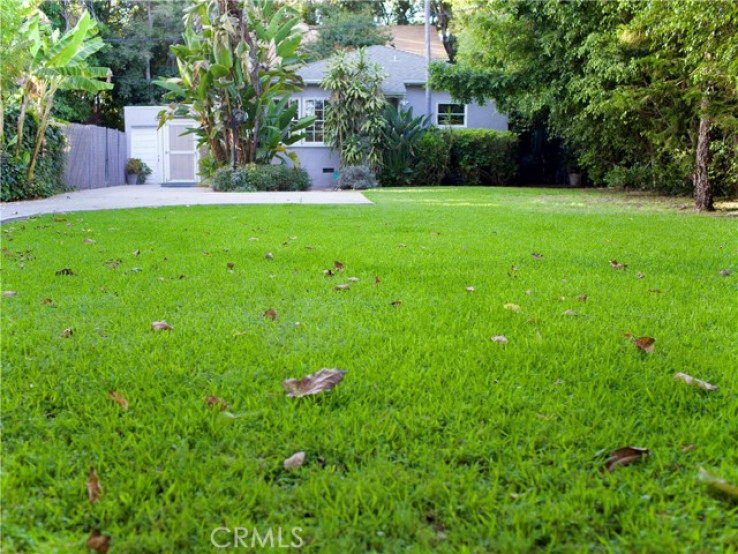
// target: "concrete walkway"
[[147, 196]]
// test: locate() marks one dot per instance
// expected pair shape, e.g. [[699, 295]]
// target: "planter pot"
[[132, 178], [575, 179]]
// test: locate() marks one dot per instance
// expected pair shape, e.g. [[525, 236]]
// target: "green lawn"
[[438, 439]]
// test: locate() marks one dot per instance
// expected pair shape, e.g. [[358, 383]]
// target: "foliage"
[[254, 178], [57, 62], [624, 83], [484, 156], [49, 174], [442, 439], [400, 138], [432, 160], [356, 177], [342, 29], [139, 167], [354, 119], [14, 54], [237, 69]]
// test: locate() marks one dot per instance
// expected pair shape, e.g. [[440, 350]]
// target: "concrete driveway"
[[148, 196]]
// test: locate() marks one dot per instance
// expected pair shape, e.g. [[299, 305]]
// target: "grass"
[[438, 439]]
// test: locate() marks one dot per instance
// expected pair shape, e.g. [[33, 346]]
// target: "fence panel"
[[96, 157]]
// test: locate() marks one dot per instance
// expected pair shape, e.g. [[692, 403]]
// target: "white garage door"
[[145, 146]]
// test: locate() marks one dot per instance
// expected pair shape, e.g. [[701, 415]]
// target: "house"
[[404, 87], [173, 157]]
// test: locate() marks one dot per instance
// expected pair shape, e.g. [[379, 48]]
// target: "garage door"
[[145, 146]]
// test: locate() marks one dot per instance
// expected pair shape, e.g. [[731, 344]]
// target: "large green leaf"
[[85, 84], [69, 44]]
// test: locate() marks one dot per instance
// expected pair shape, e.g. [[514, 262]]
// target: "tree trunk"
[[40, 136], [703, 193]]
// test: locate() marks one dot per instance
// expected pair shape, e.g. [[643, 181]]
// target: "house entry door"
[[180, 153]]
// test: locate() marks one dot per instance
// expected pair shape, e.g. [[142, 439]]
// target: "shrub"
[[48, 177], [484, 156], [400, 135], [139, 167], [357, 177], [432, 159], [260, 178]]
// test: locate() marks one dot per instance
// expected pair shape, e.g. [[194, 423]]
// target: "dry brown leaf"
[[271, 313], [377, 281], [47, 302], [230, 265], [94, 489], [513, 307], [537, 256], [205, 253], [353, 279], [89, 241], [615, 265], [65, 271], [500, 339], [624, 456], [582, 298], [640, 275], [694, 381], [161, 326], [401, 245], [317, 382], [328, 272], [9, 293], [269, 256], [717, 483], [725, 272], [68, 332], [98, 542], [119, 399], [469, 289], [342, 287], [136, 252], [308, 247], [657, 291], [687, 447], [294, 461], [645, 343], [397, 302], [339, 265], [215, 401], [60, 219], [112, 264]]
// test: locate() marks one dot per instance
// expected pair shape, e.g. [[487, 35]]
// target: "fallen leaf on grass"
[[89, 241], [513, 307], [582, 298], [537, 256], [328, 272], [353, 279], [339, 265], [694, 381], [94, 489], [624, 456], [253, 238], [119, 399], [317, 382], [161, 326], [294, 461], [271, 313], [215, 401], [657, 291], [402, 245], [230, 265], [725, 272], [65, 271], [136, 252], [377, 281], [112, 264], [342, 287], [397, 302], [615, 265], [47, 302], [717, 483], [640, 275], [269, 256], [308, 247], [9, 293], [687, 447], [469, 289], [98, 542], [66, 333], [500, 339], [645, 343], [569, 312], [60, 219]]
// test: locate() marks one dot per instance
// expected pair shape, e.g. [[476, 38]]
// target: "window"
[[451, 115], [315, 107]]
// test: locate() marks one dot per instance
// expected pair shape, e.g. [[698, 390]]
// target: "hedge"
[[48, 176], [260, 178]]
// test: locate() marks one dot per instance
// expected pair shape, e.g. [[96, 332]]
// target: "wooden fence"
[[96, 157]]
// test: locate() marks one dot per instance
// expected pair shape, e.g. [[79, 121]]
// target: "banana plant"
[[238, 66], [58, 62]]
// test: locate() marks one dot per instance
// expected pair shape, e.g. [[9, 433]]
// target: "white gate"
[[145, 146], [180, 152]]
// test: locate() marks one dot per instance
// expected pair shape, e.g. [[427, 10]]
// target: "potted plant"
[[136, 171]]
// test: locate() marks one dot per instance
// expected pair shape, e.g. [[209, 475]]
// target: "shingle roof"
[[402, 68]]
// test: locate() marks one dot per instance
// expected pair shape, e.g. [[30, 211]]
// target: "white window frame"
[[302, 112], [466, 115]]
